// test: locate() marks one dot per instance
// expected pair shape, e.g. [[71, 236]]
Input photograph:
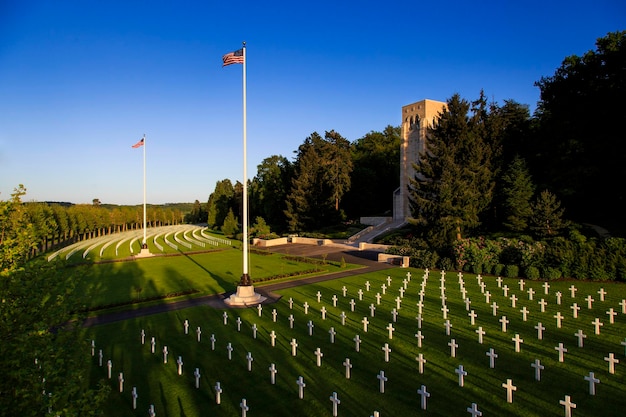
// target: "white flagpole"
[[245, 279], [143, 245]]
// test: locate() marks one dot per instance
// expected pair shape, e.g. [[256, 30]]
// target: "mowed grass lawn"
[[209, 273], [159, 384]]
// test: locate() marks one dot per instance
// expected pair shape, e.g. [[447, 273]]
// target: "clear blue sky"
[[82, 81]]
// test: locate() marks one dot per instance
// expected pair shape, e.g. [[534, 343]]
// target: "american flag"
[[233, 58], [138, 144]]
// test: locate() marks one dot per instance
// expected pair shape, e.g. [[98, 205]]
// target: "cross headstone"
[[581, 337], [503, 321], [273, 338], [546, 288], [249, 359], [462, 374], [419, 320], [342, 316], [344, 290], [357, 343], [382, 379], [198, 333], [559, 319], [360, 293], [591, 378], [152, 344], [390, 329], [492, 357], [473, 410], [165, 354], [290, 301], [472, 315], [372, 309], [524, 312], [306, 307], [597, 324], [334, 298], [420, 305], [623, 304], [367, 285], [423, 396], [378, 297], [244, 407], [291, 320], [505, 290], [542, 303], [612, 361], [448, 326], [301, 385], [398, 301], [93, 347], [259, 309], [120, 379], [213, 341], [319, 355], [388, 281], [572, 291], [323, 311], [445, 311], [196, 374], [602, 293], [352, 304], [562, 350], [494, 308], [109, 367], [468, 303], [335, 402], [387, 351], [568, 404], [559, 296], [332, 334], [319, 297], [509, 390], [530, 293], [487, 297], [100, 355], [365, 323], [513, 299], [294, 346], [575, 309], [186, 326], [179, 363], [230, 349], [254, 330], [499, 281], [419, 337], [238, 321], [310, 325], [143, 336], [421, 361], [134, 395], [151, 411], [538, 368], [590, 301], [521, 284], [481, 333], [218, 393], [611, 315], [348, 366], [540, 328], [274, 314], [273, 372], [453, 345], [518, 341], [225, 316]]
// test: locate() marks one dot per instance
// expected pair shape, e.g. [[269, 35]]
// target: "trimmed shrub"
[[532, 272], [424, 259], [497, 269], [511, 271], [446, 264], [477, 268], [551, 273]]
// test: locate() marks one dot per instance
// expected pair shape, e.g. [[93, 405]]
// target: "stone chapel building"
[[416, 119]]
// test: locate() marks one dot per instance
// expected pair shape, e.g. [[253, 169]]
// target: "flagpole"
[[245, 278], [143, 245]]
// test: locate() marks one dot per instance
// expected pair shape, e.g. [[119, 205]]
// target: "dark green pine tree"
[[517, 192], [547, 219], [454, 179]]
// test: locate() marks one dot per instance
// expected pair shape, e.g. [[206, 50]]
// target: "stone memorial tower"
[[416, 119]]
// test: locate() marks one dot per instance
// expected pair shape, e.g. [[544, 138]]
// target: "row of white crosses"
[[386, 349]]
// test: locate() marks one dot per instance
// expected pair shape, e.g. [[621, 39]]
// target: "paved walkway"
[[333, 253]]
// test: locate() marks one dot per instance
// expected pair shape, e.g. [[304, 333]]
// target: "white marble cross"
[[503, 321], [323, 311], [198, 333], [524, 312], [319, 355], [238, 321], [274, 314], [509, 390], [591, 378], [367, 285], [562, 350], [310, 325], [179, 362], [306, 307], [394, 315], [518, 341], [244, 407], [357, 343], [109, 367], [273, 338], [597, 324], [499, 281], [398, 301], [387, 351], [291, 320], [344, 290], [448, 326], [352, 304], [590, 301], [492, 357], [360, 293], [196, 374], [120, 378], [336, 402], [378, 297], [165, 354], [230, 349], [568, 404], [546, 288], [623, 304], [273, 372], [612, 361], [225, 316], [151, 411], [540, 328], [186, 326], [602, 293], [260, 310], [487, 297], [445, 311], [254, 330], [332, 334], [290, 303], [472, 315], [372, 309], [513, 300], [218, 393], [382, 379], [319, 297], [559, 319], [334, 298], [213, 341], [294, 346], [575, 309], [572, 291], [301, 385], [530, 293], [152, 344], [135, 396], [423, 396], [388, 281], [559, 295], [494, 308], [543, 304], [521, 284], [462, 374], [342, 316], [100, 355], [249, 358], [481, 333], [348, 366], [390, 329], [473, 410], [538, 368], [383, 289], [581, 336], [365, 323], [419, 337], [421, 361], [453, 345], [611, 315]]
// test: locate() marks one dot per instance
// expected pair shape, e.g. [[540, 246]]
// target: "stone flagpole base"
[[244, 297]]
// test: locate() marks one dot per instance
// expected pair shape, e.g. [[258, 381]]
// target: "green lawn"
[[173, 395], [209, 273]]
